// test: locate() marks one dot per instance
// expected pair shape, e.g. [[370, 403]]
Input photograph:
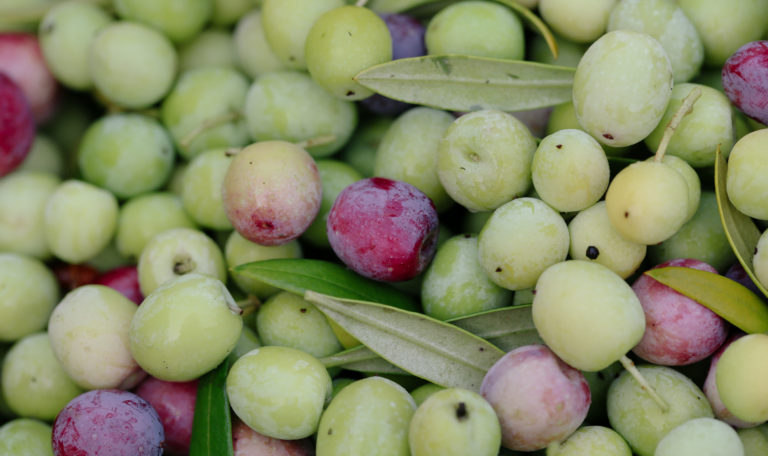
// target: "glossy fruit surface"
[[108, 422], [272, 192], [17, 126], [383, 229]]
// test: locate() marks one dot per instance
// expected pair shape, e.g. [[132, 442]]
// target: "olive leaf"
[[212, 422], [723, 296], [361, 359], [421, 8], [506, 328], [466, 83], [420, 345], [298, 275], [741, 231]]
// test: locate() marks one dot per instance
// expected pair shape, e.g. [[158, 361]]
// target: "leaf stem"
[[632, 369], [248, 305], [207, 125], [316, 141], [681, 112]]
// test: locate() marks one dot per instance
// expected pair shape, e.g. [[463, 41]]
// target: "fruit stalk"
[[630, 367], [681, 112]]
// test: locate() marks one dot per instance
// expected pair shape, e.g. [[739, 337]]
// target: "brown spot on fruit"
[[461, 411]]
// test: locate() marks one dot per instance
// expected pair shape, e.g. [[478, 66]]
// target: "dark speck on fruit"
[[498, 269], [626, 214], [592, 252], [467, 235], [559, 146], [330, 431], [607, 136], [350, 93], [461, 411], [349, 33], [303, 310]]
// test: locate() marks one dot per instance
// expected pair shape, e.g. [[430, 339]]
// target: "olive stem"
[[207, 125], [685, 108], [632, 369], [248, 305], [316, 141]]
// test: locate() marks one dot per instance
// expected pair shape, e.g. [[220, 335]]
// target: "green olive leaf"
[[723, 296], [298, 275], [212, 422], [507, 328], [466, 83], [427, 8], [361, 359], [420, 345], [741, 231]]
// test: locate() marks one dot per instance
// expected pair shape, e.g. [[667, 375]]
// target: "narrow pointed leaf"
[[507, 328], [741, 231], [361, 353], [723, 296], [465, 83], [535, 23], [298, 275], [420, 345], [212, 423], [361, 359], [428, 8]]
